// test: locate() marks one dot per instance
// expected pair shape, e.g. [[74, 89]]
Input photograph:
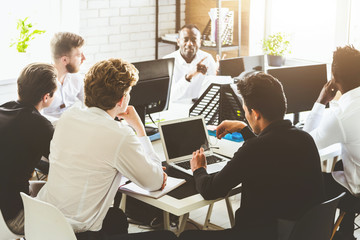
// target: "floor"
[[219, 217]]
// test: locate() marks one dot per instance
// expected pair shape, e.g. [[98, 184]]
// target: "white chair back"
[[5, 233], [44, 221]]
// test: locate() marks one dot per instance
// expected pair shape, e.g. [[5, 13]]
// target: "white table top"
[[228, 148]]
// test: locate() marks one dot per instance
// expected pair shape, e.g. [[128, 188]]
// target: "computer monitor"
[[302, 86], [151, 94], [235, 66]]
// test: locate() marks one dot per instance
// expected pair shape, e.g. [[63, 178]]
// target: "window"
[[354, 30], [316, 28], [49, 15]]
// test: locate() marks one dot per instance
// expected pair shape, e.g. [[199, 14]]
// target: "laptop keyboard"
[[210, 160]]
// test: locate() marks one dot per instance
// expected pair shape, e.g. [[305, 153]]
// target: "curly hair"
[[346, 64], [264, 93], [63, 42], [107, 81], [36, 80]]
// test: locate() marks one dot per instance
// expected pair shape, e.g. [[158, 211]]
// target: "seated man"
[[341, 125], [90, 151], [66, 50], [25, 137], [191, 65], [279, 167]]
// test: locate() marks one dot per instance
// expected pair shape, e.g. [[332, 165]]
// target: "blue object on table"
[[154, 137], [236, 137]]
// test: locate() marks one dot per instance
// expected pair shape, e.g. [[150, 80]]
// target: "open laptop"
[[181, 137]]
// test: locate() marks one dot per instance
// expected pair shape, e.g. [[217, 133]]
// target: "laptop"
[[181, 137]]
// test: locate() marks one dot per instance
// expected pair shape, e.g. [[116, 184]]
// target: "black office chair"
[[316, 224], [350, 204], [42, 170]]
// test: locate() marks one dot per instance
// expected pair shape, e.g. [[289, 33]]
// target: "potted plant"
[[26, 34], [276, 46]]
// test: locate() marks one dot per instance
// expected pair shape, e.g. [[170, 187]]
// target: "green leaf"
[[276, 44], [26, 34]]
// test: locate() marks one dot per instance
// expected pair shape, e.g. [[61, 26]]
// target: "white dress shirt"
[[340, 125], [181, 88], [89, 153], [66, 94]]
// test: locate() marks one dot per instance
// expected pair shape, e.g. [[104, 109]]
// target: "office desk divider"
[[219, 102]]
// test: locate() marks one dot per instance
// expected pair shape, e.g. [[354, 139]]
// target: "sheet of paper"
[[171, 184]]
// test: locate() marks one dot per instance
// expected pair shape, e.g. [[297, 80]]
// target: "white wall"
[[8, 90], [111, 28], [125, 28]]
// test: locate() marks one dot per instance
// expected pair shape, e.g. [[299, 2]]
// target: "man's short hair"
[[107, 81], [190, 27], [264, 93], [63, 42], [346, 65], [35, 81]]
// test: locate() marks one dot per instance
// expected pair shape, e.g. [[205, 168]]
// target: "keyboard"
[[210, 160]]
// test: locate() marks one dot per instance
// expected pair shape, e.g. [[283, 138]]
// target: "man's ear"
[[64, 60], [257, 115], [121, 101], [45, 98], [178, 41]]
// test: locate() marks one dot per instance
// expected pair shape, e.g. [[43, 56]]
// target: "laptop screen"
[[184, 137]]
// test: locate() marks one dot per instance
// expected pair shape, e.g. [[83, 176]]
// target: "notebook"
[[181, 137], [171, 183]]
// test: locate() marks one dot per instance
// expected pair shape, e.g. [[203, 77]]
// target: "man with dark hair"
[[24, 138], [340, 124], [67, 54], [279, 167], [191, 65], [90, 152]]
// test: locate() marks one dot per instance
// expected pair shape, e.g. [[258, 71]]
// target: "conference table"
[[183, 206]]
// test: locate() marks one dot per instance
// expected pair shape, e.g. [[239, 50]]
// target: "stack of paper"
[[171, 184]]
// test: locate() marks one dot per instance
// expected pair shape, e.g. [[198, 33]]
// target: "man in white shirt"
[[67, 54], [90, 151], [191, 65], [341, 125]]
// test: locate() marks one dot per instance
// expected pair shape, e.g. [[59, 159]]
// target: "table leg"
[[208, 215], [182, 222], [230, 211], [123, 202], [166, 216]]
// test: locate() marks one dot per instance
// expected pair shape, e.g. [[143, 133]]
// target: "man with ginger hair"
[[90, 151]]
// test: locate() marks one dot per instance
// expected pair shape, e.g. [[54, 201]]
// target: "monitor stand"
[[141, 110], [151, 130], [296, 118]]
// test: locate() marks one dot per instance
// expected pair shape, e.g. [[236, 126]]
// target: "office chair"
[[42, 169], [44, 221], [316, 224], [350, 204], [5, 232]]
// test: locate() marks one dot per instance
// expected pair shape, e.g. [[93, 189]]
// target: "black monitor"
[[235, 66], [151, 94], [302, 86]]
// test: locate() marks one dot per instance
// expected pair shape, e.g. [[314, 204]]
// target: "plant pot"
[[275, 61]]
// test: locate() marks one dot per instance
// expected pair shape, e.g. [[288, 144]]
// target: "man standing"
[[279, 168], [341, 125], [24, 138], [90, 151], [67, 54], [191, 65]]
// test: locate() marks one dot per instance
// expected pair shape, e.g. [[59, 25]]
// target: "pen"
[[127, 182]]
